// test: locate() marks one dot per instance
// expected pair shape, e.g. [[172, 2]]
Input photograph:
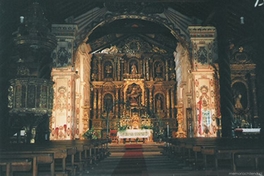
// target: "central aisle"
[[132, 162], [143, 160]]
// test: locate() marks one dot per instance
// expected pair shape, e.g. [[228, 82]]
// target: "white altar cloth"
[[248, 130], [135, 133]]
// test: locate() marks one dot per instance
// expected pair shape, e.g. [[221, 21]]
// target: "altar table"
[[135, 134], [247, 132]]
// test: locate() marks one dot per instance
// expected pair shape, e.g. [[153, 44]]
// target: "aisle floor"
[[155, 164]]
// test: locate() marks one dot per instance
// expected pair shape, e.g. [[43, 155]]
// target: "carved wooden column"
[[172, 103], [146, 96], [140, 69], [151, 97], [100, 104], [115, 68], [144, 67], [121, 68], [95, 104], [254, 94], [151, 69], [118, 69], [100, 73], [117, 89], [125, 66], [147, 68], [122, 99], [167, 71], [168, 102]]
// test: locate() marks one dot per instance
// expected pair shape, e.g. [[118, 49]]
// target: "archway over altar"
[[136, 68]]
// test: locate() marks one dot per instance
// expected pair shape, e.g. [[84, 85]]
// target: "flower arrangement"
[[245, 124], [90, 134], [146, 126], [122, 128]]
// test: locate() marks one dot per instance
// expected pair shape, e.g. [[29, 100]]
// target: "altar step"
[[149, 147]]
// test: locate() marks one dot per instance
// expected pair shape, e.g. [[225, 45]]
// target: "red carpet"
[[132, 163]]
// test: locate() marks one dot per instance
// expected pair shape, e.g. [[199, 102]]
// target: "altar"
[[135, 134], [247, 132]]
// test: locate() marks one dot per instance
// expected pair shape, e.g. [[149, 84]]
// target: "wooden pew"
[[248, 157], [11, 165], [14, 160], [60, 153], [78, 158], [87, 151], [228, 148], [218, 148], [73, 153], [176, 147], [189, 147]]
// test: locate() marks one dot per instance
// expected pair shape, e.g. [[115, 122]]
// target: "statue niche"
[[159, 99], [160, 105], [133, 69], [240, 96], [108, 104], [108, 70], [158, 69], [134, 93]]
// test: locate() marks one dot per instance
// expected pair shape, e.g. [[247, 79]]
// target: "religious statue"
[[238, 104], [134, 93], [158, 104], [134, 69], [108, 71], [159, 70]]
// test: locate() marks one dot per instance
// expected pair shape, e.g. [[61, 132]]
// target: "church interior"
[[154, 70]]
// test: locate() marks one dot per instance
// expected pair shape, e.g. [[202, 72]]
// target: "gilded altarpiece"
[[133, 86]]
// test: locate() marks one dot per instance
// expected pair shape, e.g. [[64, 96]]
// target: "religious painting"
[[204, 113], [61, 103]]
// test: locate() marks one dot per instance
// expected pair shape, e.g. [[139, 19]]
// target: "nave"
[[146, 160]]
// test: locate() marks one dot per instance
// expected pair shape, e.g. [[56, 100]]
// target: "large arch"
[[157, 19], [183, 59], [183, 54]]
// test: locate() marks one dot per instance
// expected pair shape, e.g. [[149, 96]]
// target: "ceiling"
[[225, 15], [211, 12]]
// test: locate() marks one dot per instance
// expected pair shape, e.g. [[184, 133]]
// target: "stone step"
[[153, 147]]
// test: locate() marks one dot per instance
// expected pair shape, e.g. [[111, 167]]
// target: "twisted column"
[[225, 91]]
